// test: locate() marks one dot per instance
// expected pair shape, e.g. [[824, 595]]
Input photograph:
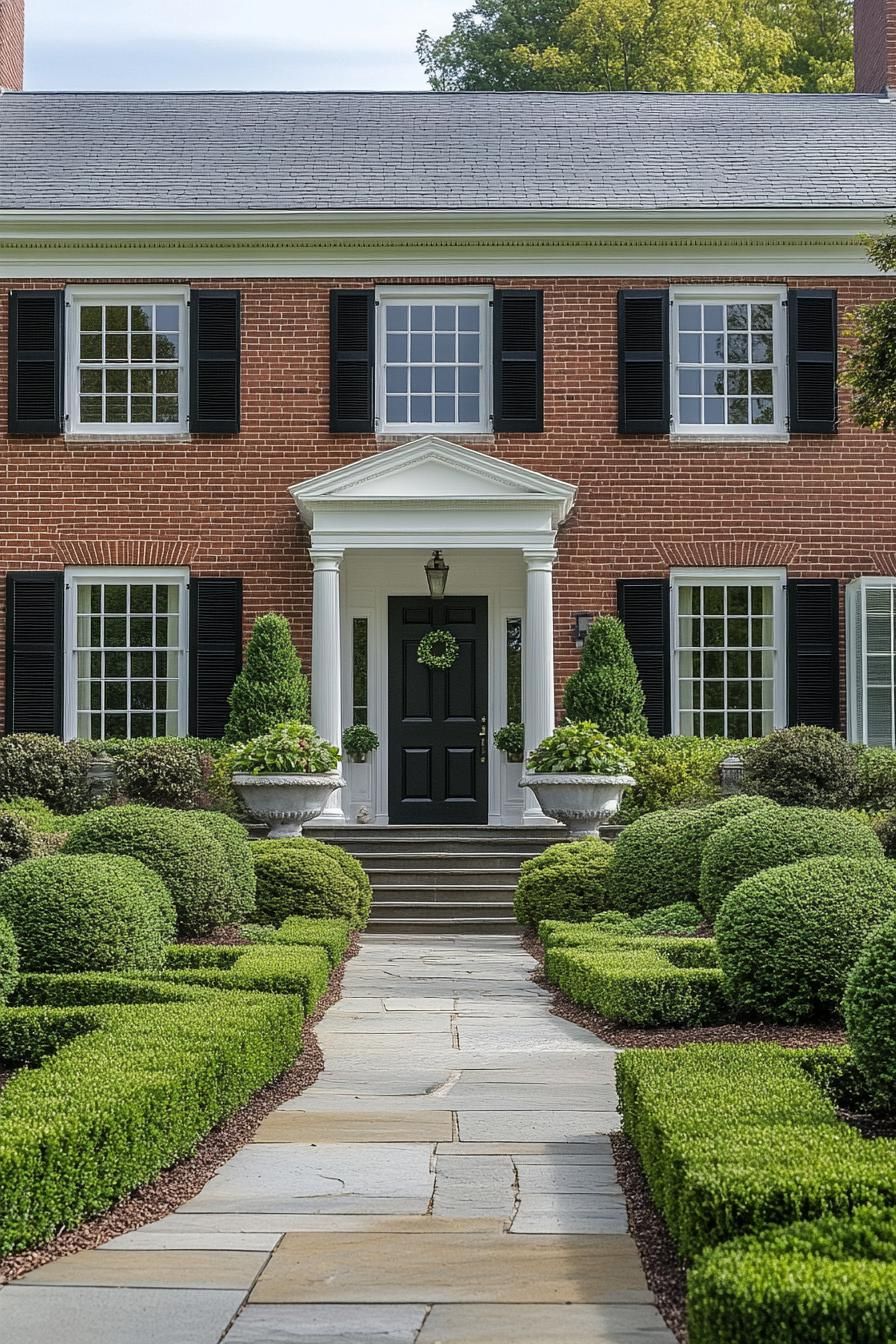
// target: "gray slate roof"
[[343, 151]]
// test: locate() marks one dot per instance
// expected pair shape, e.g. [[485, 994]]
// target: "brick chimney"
[[12, 44], [874, 46]]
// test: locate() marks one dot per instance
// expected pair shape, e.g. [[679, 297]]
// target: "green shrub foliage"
[[680, 917], [789, 936], [606, 689], [567, 881], [301, 968], [80, 912], [35, 766], [806, 766], [876, 785], [870, 1011], [767, 839], [164, 774], [234, 842], [294, 877], [16, 841], [34, 814], [9, 964], [674, 772], [352, 869], [331, 934], [188, 859], [271, 689]]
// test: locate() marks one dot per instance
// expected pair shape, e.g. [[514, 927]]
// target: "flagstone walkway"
[[447, 1180]]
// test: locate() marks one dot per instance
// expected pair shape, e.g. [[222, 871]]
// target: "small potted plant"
[[358, 740], [509, 739], [578, 775], [285, 777]]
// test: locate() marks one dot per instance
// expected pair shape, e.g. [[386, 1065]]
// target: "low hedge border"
[[643, 982], [130, 1092], [735, 1139], [271, 968]]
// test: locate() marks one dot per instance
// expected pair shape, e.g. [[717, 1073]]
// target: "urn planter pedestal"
[[579, 802], [286, 802]]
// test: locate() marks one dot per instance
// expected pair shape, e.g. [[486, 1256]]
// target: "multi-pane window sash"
[[871, 659], [726, 657], [728, 362], [433, 359], [128, 354]]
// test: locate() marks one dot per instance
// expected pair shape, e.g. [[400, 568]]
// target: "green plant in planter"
[[578, 749], [271, 689], [606, 689], [510, 739], [288, 749], [358, 740]]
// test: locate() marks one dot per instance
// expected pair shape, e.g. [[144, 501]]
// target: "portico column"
[[326, 662], [538, 659]]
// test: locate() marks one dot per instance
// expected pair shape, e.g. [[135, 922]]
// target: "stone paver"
[[447, 1180]]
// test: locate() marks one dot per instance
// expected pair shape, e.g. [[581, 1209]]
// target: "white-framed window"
[[433, 360], [127, 361], [729, 361], [126, 633], [871, 660], [728, 647]]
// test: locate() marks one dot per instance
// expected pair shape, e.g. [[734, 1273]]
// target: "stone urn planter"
[[286, 802], [580, 802]]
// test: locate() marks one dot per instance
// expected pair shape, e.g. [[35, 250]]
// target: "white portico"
[[373, 525]]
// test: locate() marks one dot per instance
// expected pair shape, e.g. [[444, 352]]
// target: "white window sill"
[[109, 436], [461, 436], [730, 440]]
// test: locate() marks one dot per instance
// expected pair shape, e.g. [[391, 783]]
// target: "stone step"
[[471, 860], [425, 927], [478, 910], [438, 878], [446, 892]]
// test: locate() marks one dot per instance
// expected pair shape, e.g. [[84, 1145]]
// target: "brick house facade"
[[743, 555]]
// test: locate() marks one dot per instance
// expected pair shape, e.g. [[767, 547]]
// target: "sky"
[[229, 44]]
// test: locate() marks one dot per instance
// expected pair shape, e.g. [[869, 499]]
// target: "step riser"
[[448, 877], [424, 928], [438, 913], [441, 895], [442, 863]]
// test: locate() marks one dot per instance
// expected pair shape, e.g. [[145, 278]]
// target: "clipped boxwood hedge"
[[768, 839], [9, 961], [35, 765], [234, 841], [331, 934], [84, 1129], [735, 1139], [869, 1007], [644, 982], [566, 881], [294, 877], [262, 967], [789, 936], [352, 869]]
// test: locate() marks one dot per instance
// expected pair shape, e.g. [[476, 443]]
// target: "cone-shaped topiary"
[[271, 688], [606, 689]]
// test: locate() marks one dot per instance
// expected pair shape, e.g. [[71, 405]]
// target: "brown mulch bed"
[[186, 1178], [663, 1269]]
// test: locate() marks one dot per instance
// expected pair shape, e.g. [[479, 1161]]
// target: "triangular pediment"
[[433, 469]]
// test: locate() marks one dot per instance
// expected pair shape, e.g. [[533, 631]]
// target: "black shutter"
[[644, 611], [36, 363], [812, 339], [34, 653], [643, 339], [813, 648], [214, 361], [518, 328], [216, 651], [352, 343]]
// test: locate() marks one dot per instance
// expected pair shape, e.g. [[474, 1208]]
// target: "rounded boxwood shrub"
[[163, 774], [352, 870], [805, 766], [869, 1007], [87, 912], [33, 765], [9, 961], [16, 841], [788, 937], [769, 838], [188, 859], [234, 841], [296, 878], [876, 789], [35, 815], [567, 881], [657, 858]]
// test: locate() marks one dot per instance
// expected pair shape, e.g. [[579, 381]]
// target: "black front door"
[[438, 771]]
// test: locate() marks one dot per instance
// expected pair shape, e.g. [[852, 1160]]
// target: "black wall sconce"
[[583, 621]]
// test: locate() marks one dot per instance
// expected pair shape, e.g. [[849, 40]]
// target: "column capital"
[[543, 558], [326, 557]]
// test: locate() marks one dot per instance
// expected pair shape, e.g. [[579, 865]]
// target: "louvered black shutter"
[[813, 647], [34, 653], [518, 361], [216, 651], [352, 343], [36, 363], [812, 338], [643, 338], [644, 611], [214, 361]]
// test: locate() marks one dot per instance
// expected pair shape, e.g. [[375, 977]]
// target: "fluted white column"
[[538, 660], [326, 662]]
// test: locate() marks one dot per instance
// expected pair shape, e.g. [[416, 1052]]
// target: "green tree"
[[271, 688], [726, 46], [870, 369], [606, 689]]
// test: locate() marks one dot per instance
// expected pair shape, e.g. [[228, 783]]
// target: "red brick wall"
[[874, 45], [822, 507], [12, 43]]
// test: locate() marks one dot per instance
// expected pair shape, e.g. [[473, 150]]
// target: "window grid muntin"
[[686, 300], [390, 363], [758, 714], [114, 368], [92, 652], [879, 658]]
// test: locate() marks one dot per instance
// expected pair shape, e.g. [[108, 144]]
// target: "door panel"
[[437, 773]]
